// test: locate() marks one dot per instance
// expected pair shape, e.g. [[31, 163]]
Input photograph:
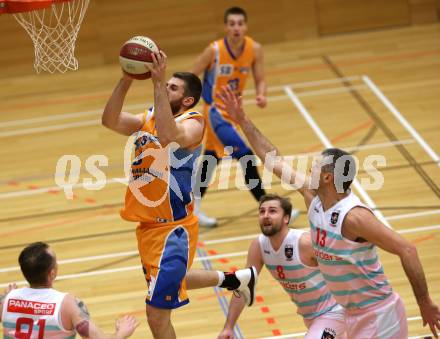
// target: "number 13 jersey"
[[351, 269]]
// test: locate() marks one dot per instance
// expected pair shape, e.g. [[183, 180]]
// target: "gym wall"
[[182, 27]]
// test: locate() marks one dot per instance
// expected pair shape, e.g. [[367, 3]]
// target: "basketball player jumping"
[[345, 234], [288, 255], [160, 194]]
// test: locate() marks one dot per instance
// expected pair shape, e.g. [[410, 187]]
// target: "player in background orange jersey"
[[228, 61]]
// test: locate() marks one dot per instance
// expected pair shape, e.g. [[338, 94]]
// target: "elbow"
[[409, 251], [105, 121], [168, 137]]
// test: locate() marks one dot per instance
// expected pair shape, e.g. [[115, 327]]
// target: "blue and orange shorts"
[[222, 132], [167, 252]]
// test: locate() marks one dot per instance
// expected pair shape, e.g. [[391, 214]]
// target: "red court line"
[[270, 320], [259, 299], [316, 147], [266, 310], [77, 98], [423, 239], [55, 224], [276, 332], [343, 63], [343, 135], [350, 62]]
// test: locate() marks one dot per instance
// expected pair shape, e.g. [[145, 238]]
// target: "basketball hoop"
[[53, 26]]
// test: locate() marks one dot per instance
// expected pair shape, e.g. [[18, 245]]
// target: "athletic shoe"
[[248, 283], [206, 221]]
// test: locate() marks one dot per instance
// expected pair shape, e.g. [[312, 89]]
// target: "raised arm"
[[263, 148], [259, 79], [185, 133], [113, 117], [203, 61], [362, 223], [74, 315], [237, 305]]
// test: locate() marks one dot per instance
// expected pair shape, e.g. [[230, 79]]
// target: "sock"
[[221, 278], [230, 282]]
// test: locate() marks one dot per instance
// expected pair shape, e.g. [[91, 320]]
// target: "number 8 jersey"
[[34, 313], [304, 284]]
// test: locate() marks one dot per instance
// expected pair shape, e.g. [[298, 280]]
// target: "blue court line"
[[220, 297]]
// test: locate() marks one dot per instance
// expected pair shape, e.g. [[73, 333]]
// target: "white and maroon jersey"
[[34, 313], [304, 284], [351, 269]]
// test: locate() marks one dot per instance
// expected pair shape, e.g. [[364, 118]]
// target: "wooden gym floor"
[[349, 84]]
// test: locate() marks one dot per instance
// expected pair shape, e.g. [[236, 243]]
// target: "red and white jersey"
[[304, 284], [34, 313], [352, 270]]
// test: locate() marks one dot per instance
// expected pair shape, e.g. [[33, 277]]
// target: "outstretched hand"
[[430, 315], [158, 66], [232, 104], [125, 326]]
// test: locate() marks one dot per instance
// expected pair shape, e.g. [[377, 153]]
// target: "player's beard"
[[176, 105], [272, 230]]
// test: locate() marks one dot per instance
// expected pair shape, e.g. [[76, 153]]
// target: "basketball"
[[135, 53]]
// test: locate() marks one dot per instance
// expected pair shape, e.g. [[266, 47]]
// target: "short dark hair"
[[234, 10], [36, 263], [193, 85], [339, 171], [285, 203]]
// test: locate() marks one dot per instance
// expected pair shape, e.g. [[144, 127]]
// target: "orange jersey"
[[160, 185], [227, 69]]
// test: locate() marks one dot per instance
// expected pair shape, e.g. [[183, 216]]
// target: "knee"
[[158, 319]]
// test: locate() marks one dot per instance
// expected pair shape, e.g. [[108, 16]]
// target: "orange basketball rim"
[[53, 26]]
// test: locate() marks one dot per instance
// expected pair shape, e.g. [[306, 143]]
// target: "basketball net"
[[53, 31]]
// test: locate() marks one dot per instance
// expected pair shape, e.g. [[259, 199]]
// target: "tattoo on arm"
[[83, 328], [83, 309]]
